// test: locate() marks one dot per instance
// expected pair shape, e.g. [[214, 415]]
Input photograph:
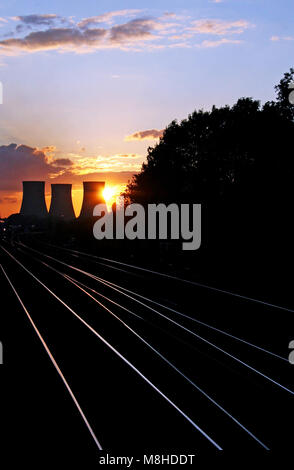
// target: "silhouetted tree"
[[233, 154]]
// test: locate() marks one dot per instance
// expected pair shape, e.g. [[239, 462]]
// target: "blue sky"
[[84, 80]]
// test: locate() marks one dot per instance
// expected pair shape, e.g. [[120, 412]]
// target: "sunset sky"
[[89, 85]]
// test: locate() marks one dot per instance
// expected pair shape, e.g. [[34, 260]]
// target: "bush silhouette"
[[233, 154]]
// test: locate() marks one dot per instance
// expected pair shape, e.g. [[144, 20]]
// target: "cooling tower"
[[61, 202], [33, 199], [93, 195]]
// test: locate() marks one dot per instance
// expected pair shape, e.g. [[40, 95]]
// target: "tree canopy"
[[229, 154]]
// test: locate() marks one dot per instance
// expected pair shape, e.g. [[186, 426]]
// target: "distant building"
[[93, 195], [33, 199], [61, 202]]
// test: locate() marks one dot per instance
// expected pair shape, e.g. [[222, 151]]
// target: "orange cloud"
[[9, 203], [150, 134], [219, 27]]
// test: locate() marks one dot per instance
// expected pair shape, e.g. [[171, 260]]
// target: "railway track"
[[187, 384]]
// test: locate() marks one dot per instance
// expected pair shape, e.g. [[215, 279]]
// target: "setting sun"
[[109, 193]]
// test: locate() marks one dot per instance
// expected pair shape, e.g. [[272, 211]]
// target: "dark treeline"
[[228, 154], [238, 162]]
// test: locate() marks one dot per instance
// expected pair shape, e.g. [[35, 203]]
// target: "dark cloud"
[[62, 162], [74, 36], [139, 28], [38, 20], [150, 134], [54, 38], [18, 163], [20, 28], [52, 32]]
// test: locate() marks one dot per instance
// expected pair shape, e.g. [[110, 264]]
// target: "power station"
[[33, 199], [93, 195], [61, 207], [61, 202]]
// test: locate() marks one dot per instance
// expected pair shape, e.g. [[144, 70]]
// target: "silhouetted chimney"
[[33, 199], [93, 195], [61, 202]]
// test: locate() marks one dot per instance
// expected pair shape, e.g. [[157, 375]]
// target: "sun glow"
[[109, 193]]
